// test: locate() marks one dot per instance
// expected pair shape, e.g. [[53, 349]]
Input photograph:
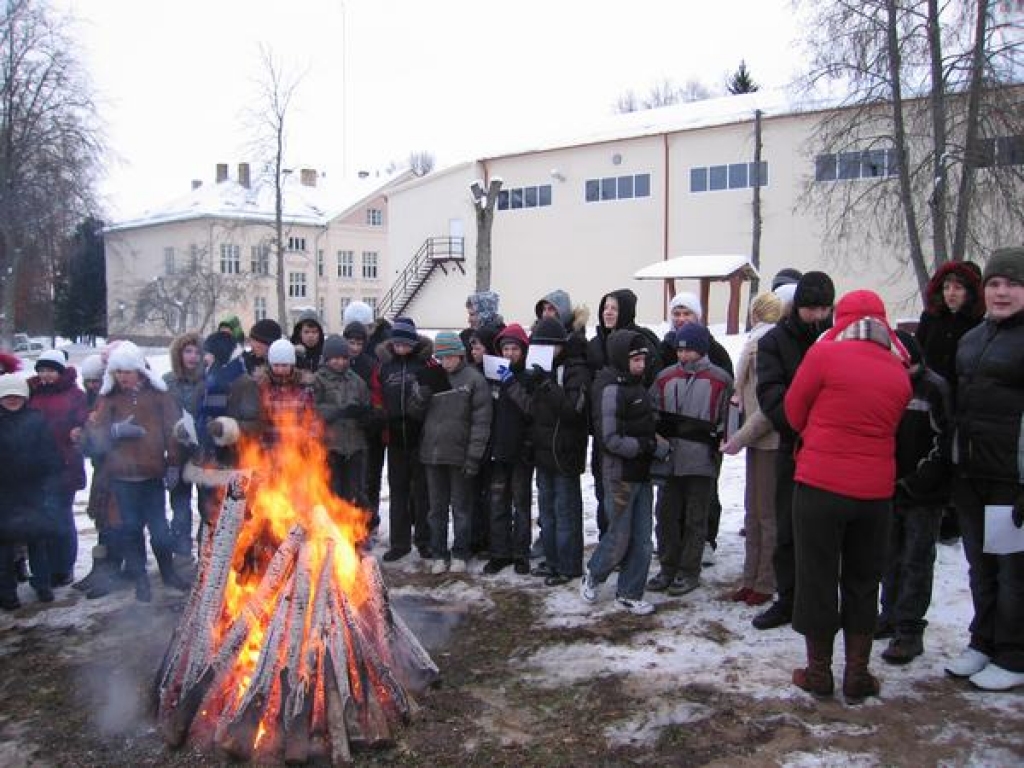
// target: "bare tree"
[[925, 147], [662, 94], [484, 202], [49, 144], [421, 162]]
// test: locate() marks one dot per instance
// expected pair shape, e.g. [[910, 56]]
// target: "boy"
[[455, 431], [308, 338], [691, 399]]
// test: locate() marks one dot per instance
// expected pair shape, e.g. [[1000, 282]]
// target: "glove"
[[172, 477], [662, 449], [434, 378], [354, 411], [471, 468], [647, 444], [505, 374], [126, 429], [215, 428], [1018, 511]]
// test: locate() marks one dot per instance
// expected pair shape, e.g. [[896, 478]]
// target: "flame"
[[291, 487]]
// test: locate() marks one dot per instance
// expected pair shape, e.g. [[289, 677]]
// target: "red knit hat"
[[515, 333]]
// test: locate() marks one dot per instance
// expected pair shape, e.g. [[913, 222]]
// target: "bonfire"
[[288, 646]]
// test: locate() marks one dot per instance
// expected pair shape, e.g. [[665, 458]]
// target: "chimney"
[[222, 172], [243, 174], [307, 176], [196, 184]]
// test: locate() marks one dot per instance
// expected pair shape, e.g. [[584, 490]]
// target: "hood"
[[858, 305], [308, 316], [179, 343], [559, 299], [619, 345], [627, 308], [973, 307]]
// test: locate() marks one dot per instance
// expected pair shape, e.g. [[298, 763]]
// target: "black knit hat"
[[814, 289], [268, 331], [786, 276], [1005, 262], [548, 330], [220, 345], [355, 330], [335, 346]]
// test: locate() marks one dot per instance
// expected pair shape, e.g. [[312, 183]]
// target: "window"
[[374, 217], [230, 259], [169, 261], [320, 266], [260, 258], [259, 308], [371, 302], [297, 285], [297, 244], [369, 265], [193, 258], [860, 164], [617, 187], [320, 306], [346, 263], [698, 179], [714, 178], [1010, 150], [516, 198], [738, 176], [719, 176], [344, 301]]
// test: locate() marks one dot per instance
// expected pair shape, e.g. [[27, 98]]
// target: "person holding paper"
[[989, 414]]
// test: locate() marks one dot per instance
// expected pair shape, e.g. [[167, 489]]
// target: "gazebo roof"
[[720, 266]]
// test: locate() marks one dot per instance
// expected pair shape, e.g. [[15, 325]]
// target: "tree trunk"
[[755, 209], [938, 108], [282, 317], [484, 223]]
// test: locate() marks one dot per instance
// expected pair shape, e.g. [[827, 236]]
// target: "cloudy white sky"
[[453, 77]]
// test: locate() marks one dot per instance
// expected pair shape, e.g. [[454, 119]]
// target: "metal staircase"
[[435, 253]]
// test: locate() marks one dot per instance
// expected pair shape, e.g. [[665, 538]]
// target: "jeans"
[[560, 515], [408, 486], [682, 513], [142, 505], [511, 498], [181, 518], [448, 488], [62, 549], [38, 558], [627, 539], [595, 469], [348, 474], [907, 584]]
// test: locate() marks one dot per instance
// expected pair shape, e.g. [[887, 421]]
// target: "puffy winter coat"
[[403, 409], [65, 407], [138, 458], [343, 401], [924, 442], [185, 387], [261, 404], [560, 414], [597, 348], [31, 477], [846, 402], [939, 330], [458, 421], [990, 400], [779, 354]]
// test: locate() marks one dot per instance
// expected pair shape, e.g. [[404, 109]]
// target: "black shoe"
[[497, 565], [777, 615], [61, 580], [659, 583], [395, 554], [45, 595], [97, 590], [425, 552], [10, 603], [903, 649], [21, 569], [542, 569], [556, 580], [142, 591], [522, 566], [86, 583], [884, 629], [175, 581]]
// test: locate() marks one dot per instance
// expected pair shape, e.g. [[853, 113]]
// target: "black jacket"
[[31, 477], [924, 442], [597, 347], [559, 405], [404, 410], [779, 354]]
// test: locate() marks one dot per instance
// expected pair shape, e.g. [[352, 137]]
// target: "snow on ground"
[[701, 638]]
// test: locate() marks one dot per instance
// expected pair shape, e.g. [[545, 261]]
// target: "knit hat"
[[688, 300], [126, 357], [766, 308], [233, 325], [548, 331], [91, 368], [485, 304], [9, 363], [220, 345], [448, 344], [13, 385], [815, 289], [404, 330], [355, 330], [693, 336], [513, 332], [786, 292], [335, 346], [281, 352], [637, 344], [911, 345], [357, 312], [52, 359], [786, 276], [266, 330], [1005, 262]]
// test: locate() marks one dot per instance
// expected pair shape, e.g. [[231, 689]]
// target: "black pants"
[[840, 548], [783, 558], [408, 485], [682, 516], [907, 584], [374, 471]]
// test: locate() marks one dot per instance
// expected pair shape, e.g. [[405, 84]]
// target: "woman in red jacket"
[[845, 402]]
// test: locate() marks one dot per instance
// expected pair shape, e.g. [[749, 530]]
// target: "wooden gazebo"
[[729, 268]]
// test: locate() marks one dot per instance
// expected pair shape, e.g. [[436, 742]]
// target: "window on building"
[[259, 308], [320, 264], [346, 263], [193, 257], [370, 259], [719, 177], [169, 266], [860, 164], [617, 187], [375, 217], [297, 244], [230, 259], [524, 197], [714, 178], [297, 285], [698, 179], [371, 302], [1010, 150], [321, 305], [737, 176], [344, 301], [260, 258]]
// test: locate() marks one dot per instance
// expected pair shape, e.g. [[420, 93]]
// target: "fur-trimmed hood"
[[424, 349], [127, 356], [934, 303], [175, 350]]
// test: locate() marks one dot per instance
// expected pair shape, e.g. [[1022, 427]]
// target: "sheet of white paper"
[[494, 366], [1002, 537], [542, 355]]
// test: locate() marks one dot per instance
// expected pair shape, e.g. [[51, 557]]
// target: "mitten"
[[505, 374], [1018, 511], [471, 468], [126, 429], [647, 444], [662, 448], [172, 477]]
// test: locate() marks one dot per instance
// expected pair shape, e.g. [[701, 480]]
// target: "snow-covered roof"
[[714, 265], [310, 205]]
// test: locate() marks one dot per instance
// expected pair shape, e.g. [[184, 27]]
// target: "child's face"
[[355, 346], [259, 348], [310, 335], [451, 363], [338, 364], [683, 315], [127, 379], [12, 402], [190, 357], [637, 365], [92, 385], [282, 370], [610, 313], [48, 375], [512, 352], [688, 356], [401, 348], [477, 350]]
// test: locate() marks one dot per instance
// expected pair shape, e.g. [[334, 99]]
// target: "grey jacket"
[[343, 401], [458, 421]]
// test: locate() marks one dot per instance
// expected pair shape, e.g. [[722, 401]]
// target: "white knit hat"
[[52, 358], [357, 312], [281, 352], [13, 384], [688, 300], [91, 367], [128, 357]]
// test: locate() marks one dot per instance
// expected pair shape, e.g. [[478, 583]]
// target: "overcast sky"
[[453, 77]]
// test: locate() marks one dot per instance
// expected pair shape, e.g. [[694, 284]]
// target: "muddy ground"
[[79, 697]]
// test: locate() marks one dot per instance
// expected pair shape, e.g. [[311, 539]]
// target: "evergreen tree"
[[81, 299], [741, 81]]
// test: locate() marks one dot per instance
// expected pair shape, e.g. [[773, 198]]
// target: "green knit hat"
[[1005, 262]]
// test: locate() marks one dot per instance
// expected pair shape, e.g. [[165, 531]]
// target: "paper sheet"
[[1002, 537]]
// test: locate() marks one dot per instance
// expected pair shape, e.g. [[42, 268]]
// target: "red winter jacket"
[[64, 406], [846, 401]]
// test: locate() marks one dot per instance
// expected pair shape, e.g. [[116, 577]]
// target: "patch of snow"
[[644, 728]]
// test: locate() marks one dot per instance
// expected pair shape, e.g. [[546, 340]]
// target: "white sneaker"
[[968, 663], [438, 565], [458, 565], [636, 607], [708, 558], [588, 588], [995, 678]]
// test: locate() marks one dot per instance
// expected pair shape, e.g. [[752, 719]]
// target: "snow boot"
[[170, 577], [858, 683], [143, 593], [816, 677], [99, 557]]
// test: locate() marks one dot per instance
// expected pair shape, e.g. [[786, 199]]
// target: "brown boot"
[[858, 683], [816, 678]]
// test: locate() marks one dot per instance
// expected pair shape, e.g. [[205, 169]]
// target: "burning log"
[[297, 657]]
